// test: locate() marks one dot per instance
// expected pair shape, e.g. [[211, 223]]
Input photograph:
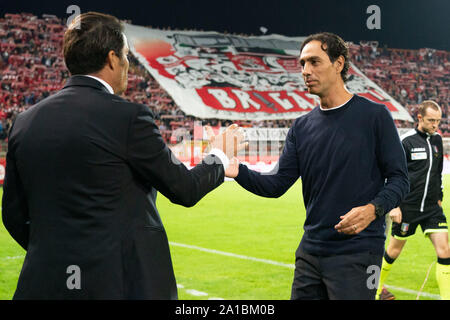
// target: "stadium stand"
[[32, 68], [410, 76]]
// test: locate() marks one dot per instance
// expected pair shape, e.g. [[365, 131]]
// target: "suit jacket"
[[82, 173]]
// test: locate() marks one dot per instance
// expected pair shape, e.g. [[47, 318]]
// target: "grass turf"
[[232, 220]]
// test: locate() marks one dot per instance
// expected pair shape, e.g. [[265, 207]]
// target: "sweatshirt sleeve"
[[392, 162], [276, 182]]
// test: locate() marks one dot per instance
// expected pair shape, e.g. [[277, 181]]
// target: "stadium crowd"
[[32, 68], [410, 76]]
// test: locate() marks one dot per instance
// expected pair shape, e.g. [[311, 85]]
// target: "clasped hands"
[[230, 141]]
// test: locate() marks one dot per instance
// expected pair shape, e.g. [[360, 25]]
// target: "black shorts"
[[431, 223], [339, 277]]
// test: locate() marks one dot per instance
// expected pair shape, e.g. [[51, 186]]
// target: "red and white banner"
[[213, 75]]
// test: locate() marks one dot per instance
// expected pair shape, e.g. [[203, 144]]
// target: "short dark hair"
[[334, 46], [88, 40]]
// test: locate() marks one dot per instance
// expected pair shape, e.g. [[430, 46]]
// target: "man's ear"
[[339, 64], [110, 59]]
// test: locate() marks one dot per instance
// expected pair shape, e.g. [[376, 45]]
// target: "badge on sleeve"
[[419, 156], [404, 228], [436, 151]]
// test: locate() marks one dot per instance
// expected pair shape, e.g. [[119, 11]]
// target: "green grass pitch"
[[235, 245]]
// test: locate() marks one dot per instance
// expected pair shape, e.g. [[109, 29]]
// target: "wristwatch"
[[379, 210]]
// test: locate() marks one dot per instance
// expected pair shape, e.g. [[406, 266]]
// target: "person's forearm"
[[269, 185]]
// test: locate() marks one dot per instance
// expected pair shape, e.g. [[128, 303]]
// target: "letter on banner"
[[285, 103], [222, 97], [245, 99], [302, 103]]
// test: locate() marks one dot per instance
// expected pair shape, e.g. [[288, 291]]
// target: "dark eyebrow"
[[309, 59]]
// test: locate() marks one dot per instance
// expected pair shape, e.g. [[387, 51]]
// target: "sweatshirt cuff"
[[222, 156]]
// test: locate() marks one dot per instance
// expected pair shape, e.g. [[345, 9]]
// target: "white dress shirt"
[[103, 82]]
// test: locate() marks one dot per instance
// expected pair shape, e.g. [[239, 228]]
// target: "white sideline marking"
[[12, 257], [229, 254], [286, 265], [425, 294], [197, 293], [276, 263], [179, 286]]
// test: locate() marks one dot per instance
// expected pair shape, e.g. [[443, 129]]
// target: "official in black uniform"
[[423, 205]]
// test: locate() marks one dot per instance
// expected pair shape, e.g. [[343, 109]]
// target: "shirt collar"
[[424, 134], [334, 108], [103, 82]]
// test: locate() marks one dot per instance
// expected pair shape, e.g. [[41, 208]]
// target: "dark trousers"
[[338, 277]]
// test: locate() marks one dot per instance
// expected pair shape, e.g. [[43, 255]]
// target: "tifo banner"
[[213, 75]]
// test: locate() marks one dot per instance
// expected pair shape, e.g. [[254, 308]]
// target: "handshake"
[[230, 142]]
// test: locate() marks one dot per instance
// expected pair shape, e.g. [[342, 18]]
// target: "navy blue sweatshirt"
[[346, 157]]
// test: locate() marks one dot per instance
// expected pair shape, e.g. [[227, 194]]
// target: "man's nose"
[[306, 69]]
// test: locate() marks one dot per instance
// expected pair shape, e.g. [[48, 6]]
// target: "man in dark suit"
[[82, 173]]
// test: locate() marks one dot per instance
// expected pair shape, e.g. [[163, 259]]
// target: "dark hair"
[[334, 46], [88, 40]]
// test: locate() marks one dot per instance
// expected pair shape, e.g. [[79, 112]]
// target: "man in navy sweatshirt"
[[353, 170]]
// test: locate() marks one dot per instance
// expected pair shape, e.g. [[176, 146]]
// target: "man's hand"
[[396, 215], [356, 220], [440, 203], [229, 141], [233, 168]]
